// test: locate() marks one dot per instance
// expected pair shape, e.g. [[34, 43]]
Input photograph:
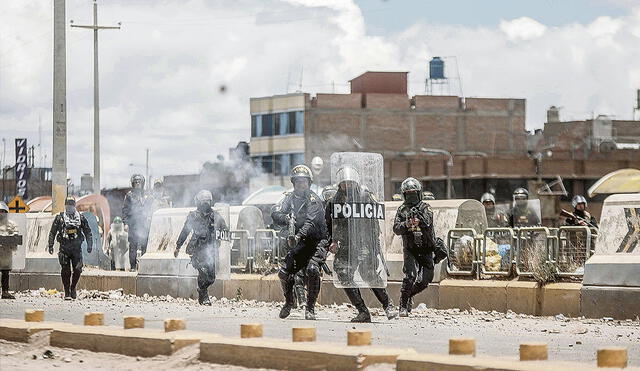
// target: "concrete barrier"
[[24, 332], [285, 355], [420, 362], [132, 342]]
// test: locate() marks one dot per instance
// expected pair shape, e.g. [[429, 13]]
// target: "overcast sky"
[[161, 74]]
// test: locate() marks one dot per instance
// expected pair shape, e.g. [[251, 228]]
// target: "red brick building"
[[490, 146]]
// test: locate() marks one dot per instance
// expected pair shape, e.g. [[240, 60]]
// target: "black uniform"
[[344, 267], [208, 229], [310, 230], [583, 214], [70, 231], [523, 216], [135, 215], [418, 247]]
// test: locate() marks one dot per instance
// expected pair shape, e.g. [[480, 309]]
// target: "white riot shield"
[[525, 213], [13, 242], [223, 243], [357, 220]]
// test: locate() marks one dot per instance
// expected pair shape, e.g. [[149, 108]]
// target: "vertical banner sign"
[[22, 172]]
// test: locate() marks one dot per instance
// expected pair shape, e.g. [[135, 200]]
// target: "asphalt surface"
[[426, 330]]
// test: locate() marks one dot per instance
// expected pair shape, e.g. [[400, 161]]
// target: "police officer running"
[[134, 215], [304, 209], [356, 245], [70, 228], [414, 222], [209, 228]]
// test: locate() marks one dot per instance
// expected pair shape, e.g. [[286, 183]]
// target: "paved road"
[[427, 330]]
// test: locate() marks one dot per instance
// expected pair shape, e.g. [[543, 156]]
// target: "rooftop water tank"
[[436, 69]]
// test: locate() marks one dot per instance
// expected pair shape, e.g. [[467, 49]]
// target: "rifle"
[[567, 214]]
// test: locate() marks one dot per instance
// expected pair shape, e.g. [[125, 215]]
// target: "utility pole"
[[96, 95], [59, 162], [148, 181]]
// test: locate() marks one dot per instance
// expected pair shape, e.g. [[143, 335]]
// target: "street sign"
[[17, 205]]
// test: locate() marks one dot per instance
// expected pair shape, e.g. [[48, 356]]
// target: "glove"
[[293, 240], [441, 251], [51, 249], [176, 252]]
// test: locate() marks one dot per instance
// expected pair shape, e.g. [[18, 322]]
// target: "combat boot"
[[72, 293], [203, 297], [362, 317], [5, 286], [391, 312], [285, 311], [404, 302], [310, 314]]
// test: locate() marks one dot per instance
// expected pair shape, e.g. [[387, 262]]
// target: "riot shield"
[[223, 242], [525, 214], [357, 220], [13, 242]]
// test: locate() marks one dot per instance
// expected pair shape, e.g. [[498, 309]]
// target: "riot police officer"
[[304, 210], [581, 216], [414, 222], [134, 215], [494, 217], [347, 235], [10, 238], [70, 228], [428, 196], [208, 228], [521, 214]]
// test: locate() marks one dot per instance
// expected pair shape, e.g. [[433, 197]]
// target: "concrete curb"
[[518, 296]]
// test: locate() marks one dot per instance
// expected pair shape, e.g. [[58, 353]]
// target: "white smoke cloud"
[[161, 74]]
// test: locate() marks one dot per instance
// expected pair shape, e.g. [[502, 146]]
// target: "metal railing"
[[498, 245], [573, 250], [533, 249], [462, 254]]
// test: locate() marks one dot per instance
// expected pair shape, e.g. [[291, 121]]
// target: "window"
[[299, 127], [267, 125], [284, 124], [256, 125], [297, 159], [276, 124], [284, 162], [292, 123]]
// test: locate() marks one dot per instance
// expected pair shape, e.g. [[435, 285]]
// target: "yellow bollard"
[[533, 352], [174, 324], [359, 337], [34, 315], [94, 319], [462, 346], [133, 322], [303, 334], [251, 330], [612, 357]]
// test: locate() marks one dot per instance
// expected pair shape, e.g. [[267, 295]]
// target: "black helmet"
[[578, 199], [301, 171], [488, 197], [137, 179], [70, 201], [411, 185], [521, 193], [328, 192]]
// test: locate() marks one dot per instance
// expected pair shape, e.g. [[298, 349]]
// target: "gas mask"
[[204, 206], [411, 198], [70, 209]]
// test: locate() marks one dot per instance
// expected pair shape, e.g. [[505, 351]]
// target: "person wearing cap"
[[70, 229], [10, 238], [135, 217], [583, 217]]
